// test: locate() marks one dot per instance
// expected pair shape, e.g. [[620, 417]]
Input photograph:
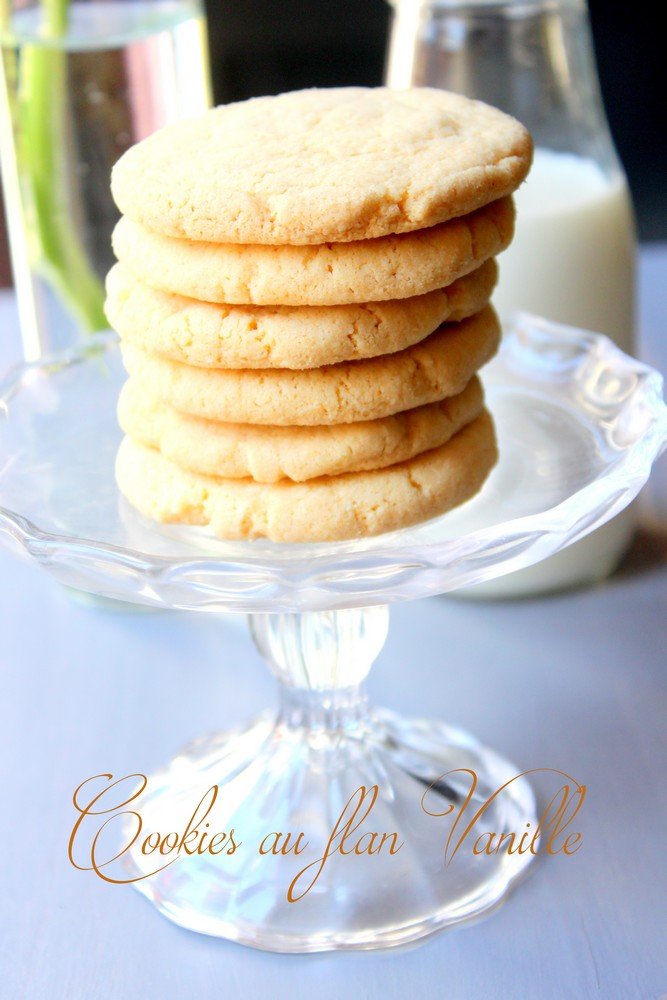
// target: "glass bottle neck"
[[533, 59]]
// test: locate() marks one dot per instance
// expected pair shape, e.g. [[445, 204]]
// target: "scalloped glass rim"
[[572, 378]]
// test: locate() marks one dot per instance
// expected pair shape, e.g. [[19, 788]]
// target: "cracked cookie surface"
[[318, 166], [269, 454], [374, 270], [329, 508], [207, 335], [438, 367]]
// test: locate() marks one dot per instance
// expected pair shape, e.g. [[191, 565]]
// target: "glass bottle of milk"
[[573, 255]]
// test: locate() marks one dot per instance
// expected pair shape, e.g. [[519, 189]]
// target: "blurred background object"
[[255, 51], [593, 240], [265, 48], [573, 256], [80, 82]]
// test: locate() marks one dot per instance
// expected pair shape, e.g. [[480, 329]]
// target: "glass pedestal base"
[[382, 846], [368, 802]]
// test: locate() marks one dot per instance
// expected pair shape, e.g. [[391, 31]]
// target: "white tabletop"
[[574, 681]]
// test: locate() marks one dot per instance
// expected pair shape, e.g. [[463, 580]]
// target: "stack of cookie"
[[302, 297]]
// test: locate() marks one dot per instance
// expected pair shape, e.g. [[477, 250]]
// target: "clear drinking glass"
[[573, 255], [80, 83]]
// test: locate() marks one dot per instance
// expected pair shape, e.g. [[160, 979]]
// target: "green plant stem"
[[55, 17], [46, 173]]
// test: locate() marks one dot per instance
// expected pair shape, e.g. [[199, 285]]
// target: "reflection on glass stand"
[[380, 801]]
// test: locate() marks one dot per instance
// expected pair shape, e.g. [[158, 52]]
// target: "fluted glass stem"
[[321, 659], [341, 712], [326, 798], [321, 650]]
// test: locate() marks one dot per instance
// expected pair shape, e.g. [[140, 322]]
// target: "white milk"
[[572, 257], [572, 260]]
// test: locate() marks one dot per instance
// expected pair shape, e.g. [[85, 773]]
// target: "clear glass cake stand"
[[579, 426]]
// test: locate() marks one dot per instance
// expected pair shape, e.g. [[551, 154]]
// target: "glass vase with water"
[[80, 83]]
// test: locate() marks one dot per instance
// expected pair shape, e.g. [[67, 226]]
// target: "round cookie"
[[319, 166], [440, 366], [209, 335], [270, 454], [330, 508], [390, 267]]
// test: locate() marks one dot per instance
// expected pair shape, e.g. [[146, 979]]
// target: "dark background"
[[265, 47]]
